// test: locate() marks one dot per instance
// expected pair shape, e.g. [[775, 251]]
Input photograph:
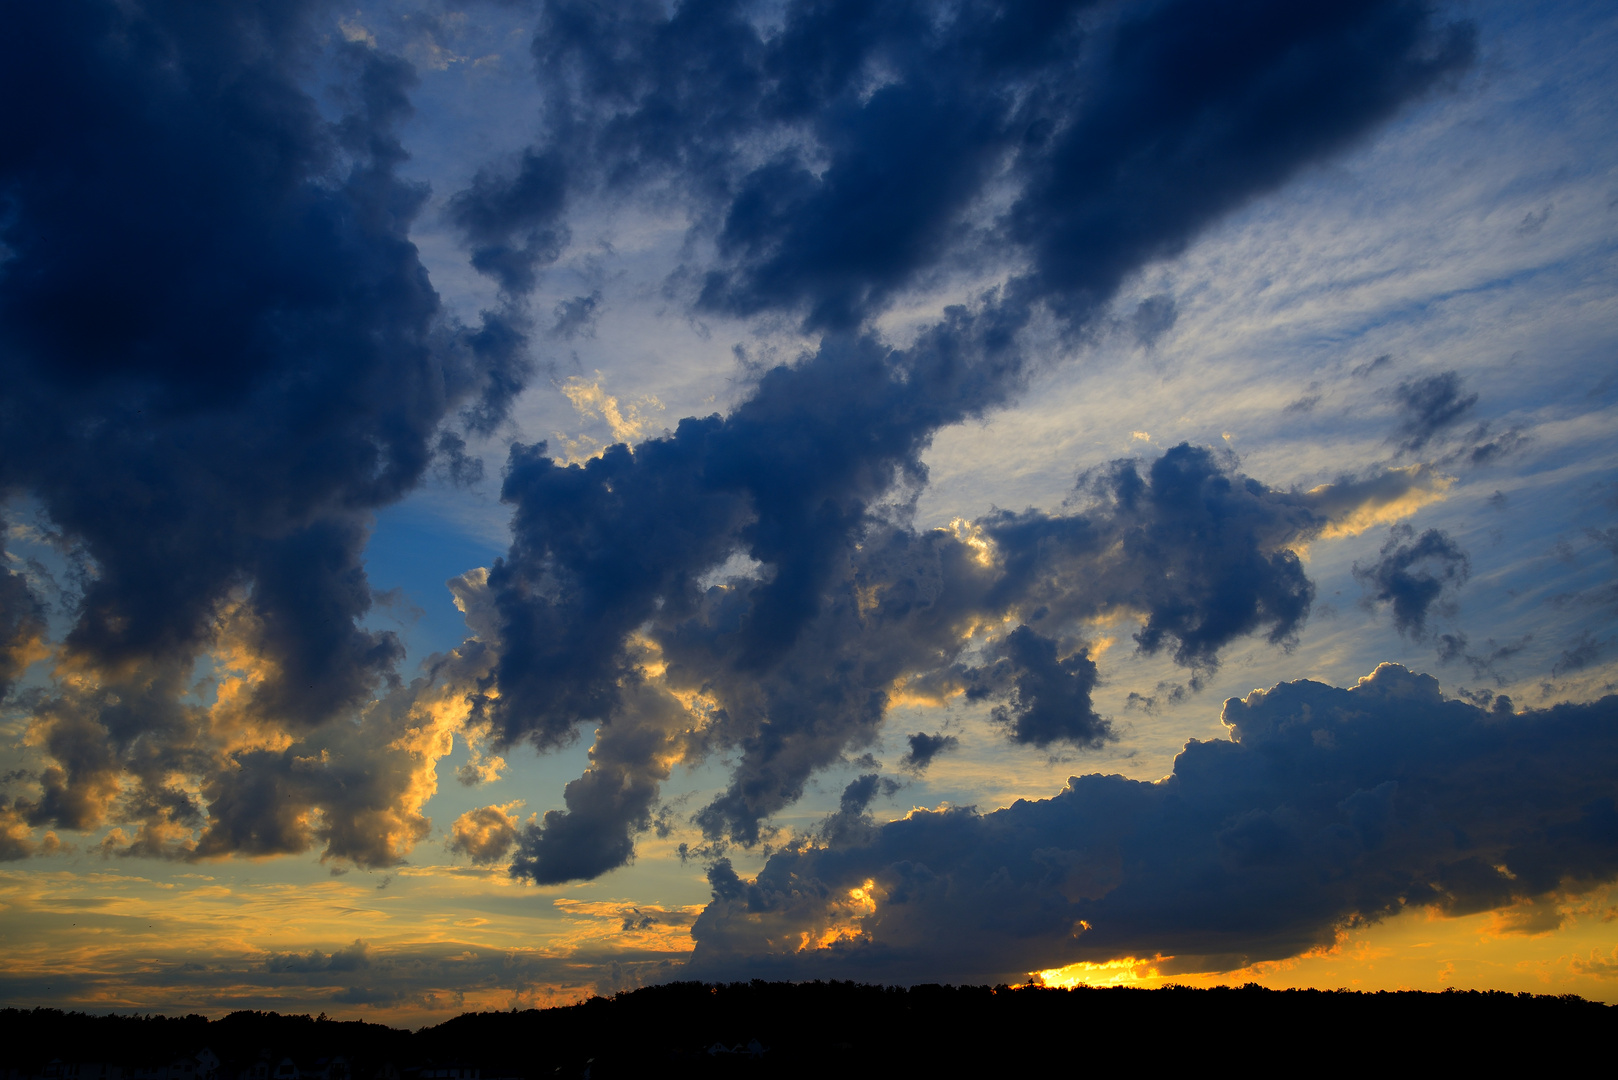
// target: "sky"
[[511, 501]]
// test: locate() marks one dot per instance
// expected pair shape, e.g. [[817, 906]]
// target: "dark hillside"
[[824, 1029]]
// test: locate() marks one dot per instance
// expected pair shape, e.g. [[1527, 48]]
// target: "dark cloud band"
[[1327, 808]]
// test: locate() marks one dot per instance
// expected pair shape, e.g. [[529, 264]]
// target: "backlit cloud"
[[1325, 809], [702, 431]]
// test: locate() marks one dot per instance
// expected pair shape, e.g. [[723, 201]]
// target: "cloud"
[[354, 788], [355, 957], [15, 841], [1585, 651], [1369, 367], [453, 462], [1597, 965], [511, 218], [626, 633], [186, 190], [1457, 645], [838, 158], [485, 834], [625, 423], [1153, 317], [1413, 573], [406, 983], [924, 748], [221, 355], [577, 317], [614, 798], [1048, 697], [826, 167], [1228, 538], [1327, 808], [1431, 407], [1385, 497], [22, 626], [852, 819], [1428, 406]]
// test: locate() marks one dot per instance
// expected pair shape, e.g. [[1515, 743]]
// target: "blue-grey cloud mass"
[[1325, 807], [225, 352]]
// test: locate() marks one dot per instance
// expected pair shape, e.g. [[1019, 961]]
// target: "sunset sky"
[[510, 501]]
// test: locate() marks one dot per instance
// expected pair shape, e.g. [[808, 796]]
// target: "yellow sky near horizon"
[[425, 943]]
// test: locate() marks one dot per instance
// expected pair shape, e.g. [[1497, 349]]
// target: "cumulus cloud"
[[924, 748], [1325, 808], [615, 797], [852, 818], [221, 354], [828, 166], [353, 788], [1413, 573], [185, 188], [15, 842], [1048, 696], [484, 834], [832, 160], [675, 670]]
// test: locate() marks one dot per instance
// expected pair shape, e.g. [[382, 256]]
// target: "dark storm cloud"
[[1327, 807], [851, 820], [1232, 95], [221, 353], [602, 548], [1201, 554], [829, 164], [924, 748], [1048, 696], [854, 149], [511, 218], [615, 797], [1413, 573]]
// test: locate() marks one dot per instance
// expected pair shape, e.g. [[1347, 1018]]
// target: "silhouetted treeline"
[[820, 1029], [31, 1039]]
